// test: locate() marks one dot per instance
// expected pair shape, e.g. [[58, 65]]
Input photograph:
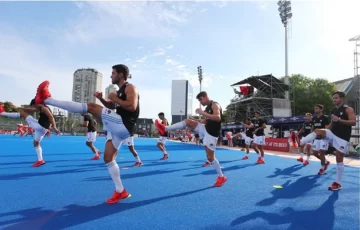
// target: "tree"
[[7, 106], [305, 92], [234, 113]]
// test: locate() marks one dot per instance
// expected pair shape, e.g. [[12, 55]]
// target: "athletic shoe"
[[42, 92], [117, 196], [220, 181], [207, 164], [138, 164], [335, 186], [306, 162], [300, 159], [165, 157], [38, 163], [245, 157], [160, 127]]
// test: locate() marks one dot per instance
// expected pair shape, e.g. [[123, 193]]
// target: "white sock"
[[114, 171], [137, 159], [216, 165], [309, 138], [339, 171], [307, 158], [322, 166], [38, 150], [176, 126], [12, 115], [96, 152], [165, 152], [73, 107], [302, 155]]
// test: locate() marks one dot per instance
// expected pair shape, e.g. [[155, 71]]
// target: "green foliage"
[[234, 113], [7, 106], [305, 92]]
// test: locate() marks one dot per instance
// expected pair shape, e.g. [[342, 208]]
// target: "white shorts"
[[320, 144], [162, 140], [259, 140], [39, 131], [309, 143], [91, 137], [116, 130], [247, 139], [130, 141], [339, 144], [208, 140]]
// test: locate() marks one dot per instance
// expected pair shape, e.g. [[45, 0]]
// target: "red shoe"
[[321, 172], [165, 157], [2, 109], [207, 164], [245, 157], [220, 181], [38, 163], [95, 158], [99, 152], [300, 159], [306, 162], [138, 164], [117, 196], [335, 186], [260, 161], [326, 165], [42, 92], [160, 127]]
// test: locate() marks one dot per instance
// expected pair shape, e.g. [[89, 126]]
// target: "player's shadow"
[[227, 169], [32, 162], [20, 176], [286, 172], [138, 174], [72, 215], [292, 190], [322, 218]]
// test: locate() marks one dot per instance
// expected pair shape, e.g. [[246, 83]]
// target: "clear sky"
[[161, 41]]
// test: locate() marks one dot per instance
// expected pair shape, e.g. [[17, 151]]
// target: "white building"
[[181, 100], [85, 83], [111, 88]]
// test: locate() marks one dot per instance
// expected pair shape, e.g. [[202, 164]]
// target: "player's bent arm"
[[352, 118], [49, 115], [107, 104], [132, 98], [216, 113]]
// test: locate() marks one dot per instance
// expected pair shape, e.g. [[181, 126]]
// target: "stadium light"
[[285, 15], [200, 78]]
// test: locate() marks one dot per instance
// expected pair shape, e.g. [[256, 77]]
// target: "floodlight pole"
[[200, 81], [286, 62]]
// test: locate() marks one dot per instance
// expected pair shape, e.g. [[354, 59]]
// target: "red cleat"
[[138, 164], [165, 157], [245, 157], [160, 127], [321, 172], [306, 163], [42, 92], [38, 163], [260, 161], [207, 164], [300, 159], [335, 186], [2, 109], [117, 196], [95, 158], [220, 181]]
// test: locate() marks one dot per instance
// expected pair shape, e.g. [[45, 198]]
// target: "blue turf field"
[[69, 191]]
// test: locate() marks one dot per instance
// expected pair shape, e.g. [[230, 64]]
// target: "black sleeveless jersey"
[[320, 122], [213, 127], [338, 129], [44, 121], [129, 118], [91, 125], [307, 128], [249, 132], [166, 123], [259, 123]]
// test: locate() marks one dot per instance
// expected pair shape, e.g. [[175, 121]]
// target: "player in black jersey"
[[248, 137], [163, 137], [320, 145], [208, 130], [91, 124], [40, 126], [259, 139], [339, 133], [303, 132], [119, 124], [129, 141]]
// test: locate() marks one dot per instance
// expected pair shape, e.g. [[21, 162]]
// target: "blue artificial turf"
[[69, 191]]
